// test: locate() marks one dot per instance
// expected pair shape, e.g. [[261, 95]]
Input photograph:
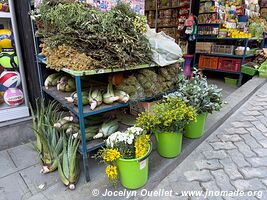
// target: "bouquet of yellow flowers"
[[171, 114], [130, 144]]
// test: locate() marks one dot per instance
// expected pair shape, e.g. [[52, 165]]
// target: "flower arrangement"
[[171, 115], [198, 93], [130, 144]]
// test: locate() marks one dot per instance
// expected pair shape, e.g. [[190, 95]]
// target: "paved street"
[[233, 158]]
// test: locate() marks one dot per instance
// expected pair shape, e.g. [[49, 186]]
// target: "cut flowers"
[[130, 144]]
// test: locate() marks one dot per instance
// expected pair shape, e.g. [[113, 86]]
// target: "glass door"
[[13, 93]]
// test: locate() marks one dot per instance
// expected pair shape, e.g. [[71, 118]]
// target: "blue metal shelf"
[[211, 12], [87, 112], [209, 24], [42, 59], [226, 55], [218, 70], [226, 38]]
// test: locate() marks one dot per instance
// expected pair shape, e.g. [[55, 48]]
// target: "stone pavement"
[[233, 158]]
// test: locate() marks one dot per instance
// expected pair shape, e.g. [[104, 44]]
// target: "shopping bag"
[[164, 48]]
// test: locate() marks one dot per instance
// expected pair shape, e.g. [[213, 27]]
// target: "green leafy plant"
[[198, 93], [49, 141], [68, 166], [112, 39], [171, 116]]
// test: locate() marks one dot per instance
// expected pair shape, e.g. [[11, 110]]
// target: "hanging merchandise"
[[14, 97], [9, 59], [10, 79], [6, 38]]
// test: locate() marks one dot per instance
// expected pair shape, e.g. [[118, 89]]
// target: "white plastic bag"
[[164, 48]]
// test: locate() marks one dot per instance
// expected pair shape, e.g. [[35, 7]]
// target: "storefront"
[[13, 87]]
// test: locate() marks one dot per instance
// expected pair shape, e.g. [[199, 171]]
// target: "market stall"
[[111, 81], [229, 35]]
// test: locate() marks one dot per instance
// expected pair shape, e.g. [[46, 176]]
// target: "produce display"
[[68, 166], [58, 137], [96, 127], [96, 39], [148, 83], [49, 142]]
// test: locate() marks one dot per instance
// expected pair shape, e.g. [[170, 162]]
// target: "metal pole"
[[82, 128]]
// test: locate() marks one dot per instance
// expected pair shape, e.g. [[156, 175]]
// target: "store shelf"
[[215, 38], [92, 145], [169, 26], [227, 55], [60, 97], [212, 12], [222, 71], [42, 59], [6, 15], [173, 7], [209, 24]]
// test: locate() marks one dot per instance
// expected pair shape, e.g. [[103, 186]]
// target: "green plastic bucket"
[[196, 129], [169, 144], [134, 172]]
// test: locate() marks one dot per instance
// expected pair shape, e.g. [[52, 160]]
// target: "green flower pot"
[[134, 172], [169, 144], [195, 130]]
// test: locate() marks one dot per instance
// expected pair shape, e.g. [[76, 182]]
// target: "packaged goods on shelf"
[[209, 18], [223, 49], [203, 47], [208, 30], [164, 3]]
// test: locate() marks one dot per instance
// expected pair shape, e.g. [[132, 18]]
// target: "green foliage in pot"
[[170, 115], [198, 93]]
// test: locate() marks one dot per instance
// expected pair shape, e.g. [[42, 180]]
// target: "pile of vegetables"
[[93, 97], [96, 127], [80, 37], [64, 83], [54, 150], [148, 83]]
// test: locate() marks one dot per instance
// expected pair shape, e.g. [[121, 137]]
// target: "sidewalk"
[[233, 158]]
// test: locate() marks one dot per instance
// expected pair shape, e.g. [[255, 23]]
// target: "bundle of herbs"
[[109, 39]]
